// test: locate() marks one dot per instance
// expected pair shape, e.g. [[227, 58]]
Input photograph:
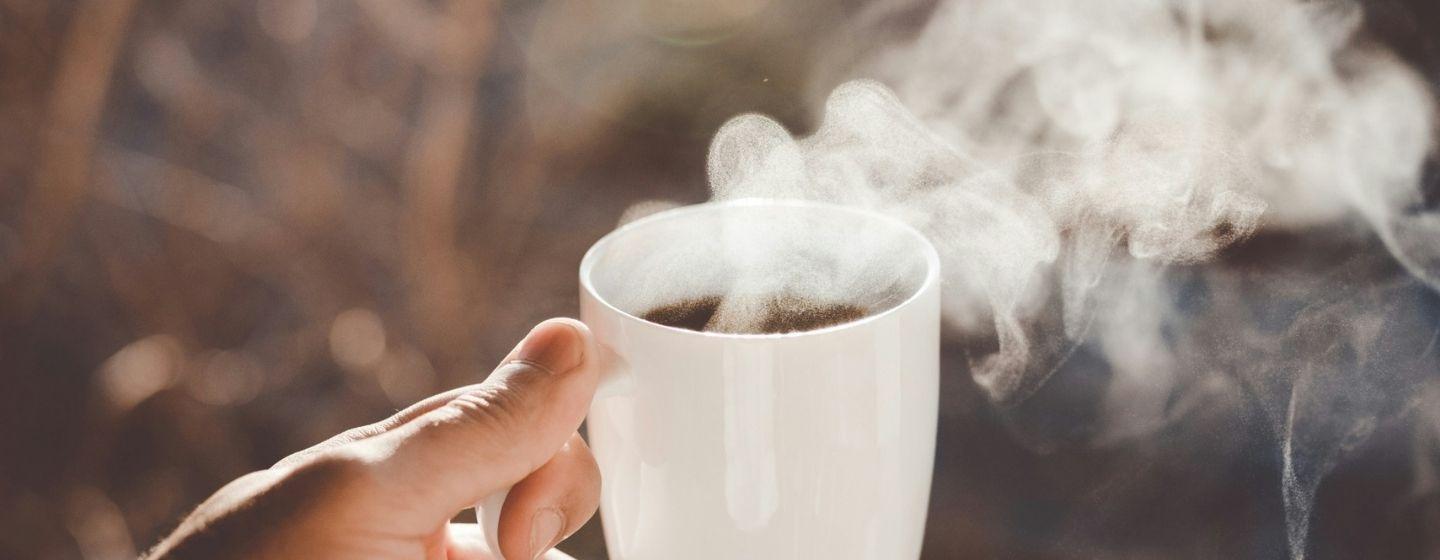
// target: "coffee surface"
[[781, 315]]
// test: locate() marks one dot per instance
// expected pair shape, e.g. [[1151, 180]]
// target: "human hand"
[[389, 490]]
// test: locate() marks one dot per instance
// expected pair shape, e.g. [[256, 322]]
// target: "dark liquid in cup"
[[781, 314]]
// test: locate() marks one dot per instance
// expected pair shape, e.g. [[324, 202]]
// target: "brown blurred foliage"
[[230, 229]]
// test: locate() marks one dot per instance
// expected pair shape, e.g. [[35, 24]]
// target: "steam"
[[1349, 365], [1000, 226], [1065, 157]]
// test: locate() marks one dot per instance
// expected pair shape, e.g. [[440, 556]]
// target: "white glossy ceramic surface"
[[817, 444]]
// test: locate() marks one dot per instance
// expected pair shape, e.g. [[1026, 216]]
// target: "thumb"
[[492, 436]]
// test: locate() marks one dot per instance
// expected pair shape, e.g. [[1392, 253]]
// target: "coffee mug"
[[763, 445]]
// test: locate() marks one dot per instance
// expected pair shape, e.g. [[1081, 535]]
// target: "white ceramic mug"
[[801, 445]]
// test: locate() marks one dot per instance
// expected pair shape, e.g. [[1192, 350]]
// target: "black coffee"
[[781, 315]]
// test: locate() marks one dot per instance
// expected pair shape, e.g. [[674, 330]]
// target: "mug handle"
[[615, 379]]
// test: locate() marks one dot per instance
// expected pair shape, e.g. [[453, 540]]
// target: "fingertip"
[[582, 331], [556, 345], [552, 503]]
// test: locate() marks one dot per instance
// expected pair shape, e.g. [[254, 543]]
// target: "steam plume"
[[1066, 157]]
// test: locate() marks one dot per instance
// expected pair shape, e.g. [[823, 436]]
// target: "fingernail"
[[545, 530], [554, 345]]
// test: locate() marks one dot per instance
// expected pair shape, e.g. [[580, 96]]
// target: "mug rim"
[[927, 249]]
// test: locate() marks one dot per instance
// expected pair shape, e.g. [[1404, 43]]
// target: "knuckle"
[[488, 405], [506, 396], [497, 411], [490, 418]]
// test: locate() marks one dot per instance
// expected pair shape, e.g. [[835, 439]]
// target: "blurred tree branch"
[[67, 139]]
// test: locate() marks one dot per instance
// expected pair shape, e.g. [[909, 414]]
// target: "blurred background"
[[230, 229]]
